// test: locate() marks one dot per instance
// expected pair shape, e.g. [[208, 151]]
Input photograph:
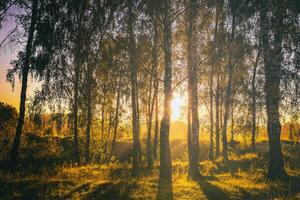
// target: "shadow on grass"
[[108, 190], [31, 189], [232, 166], [26, 189], [211, 191], [294, 184], [287, 188]]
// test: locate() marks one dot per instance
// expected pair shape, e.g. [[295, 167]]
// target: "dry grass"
[[243, 177]]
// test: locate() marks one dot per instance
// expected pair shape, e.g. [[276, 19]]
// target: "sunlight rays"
[[178, 106]]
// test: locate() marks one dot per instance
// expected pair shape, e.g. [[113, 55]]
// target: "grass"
[[243, 177]]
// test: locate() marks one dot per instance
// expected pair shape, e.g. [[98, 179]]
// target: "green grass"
[[243, 177]]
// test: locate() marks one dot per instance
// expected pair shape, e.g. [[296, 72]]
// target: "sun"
[[178, 105]]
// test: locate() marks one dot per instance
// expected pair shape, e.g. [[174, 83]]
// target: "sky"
[[8, 94], [7, 54]]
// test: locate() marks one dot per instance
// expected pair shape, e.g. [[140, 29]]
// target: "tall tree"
[[253, 95], [156, 123], [229, 83], [89, 117], [217, 110], [211, 92], [211, 114], [165, 169], [193, 89], [155, 56], [150, 109], [25, 70], [272, 66], [78, 61], [116, 120], [134, 89], [218, 52]]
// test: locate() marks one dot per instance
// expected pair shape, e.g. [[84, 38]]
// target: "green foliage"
[[8, 121], [8, 116]]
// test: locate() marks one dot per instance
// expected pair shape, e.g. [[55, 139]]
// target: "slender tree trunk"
[[89, 114], [154, 100], [149, 128], [15, 148], [232, 119], [156, 83], [228, 90], [193, 89], [110, 122], [165, 169], [211, 78], [253, 107], [151, 102], [102, 137], [218, 116], [189, 129], [77, 64], [107, 139], [103, 117], [134, 97], [221, 109], [75, 115], [103, 114], [116, 119], [211, 135], [156, 128], [218, 98], [272, 65], [88, 134]]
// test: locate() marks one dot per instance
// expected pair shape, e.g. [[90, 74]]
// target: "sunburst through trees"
[[148, 99]]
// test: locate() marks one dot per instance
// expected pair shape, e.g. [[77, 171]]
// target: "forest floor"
[[242, 177]]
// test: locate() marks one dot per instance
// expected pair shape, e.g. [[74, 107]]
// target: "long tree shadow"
[[108, 190], [288, 188], [294, 184], [211, 191]]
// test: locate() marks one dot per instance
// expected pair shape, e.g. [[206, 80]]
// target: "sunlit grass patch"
[[242, 177], [208, 168], [82, 173], [241, 181], [186, 189], [146, 187]]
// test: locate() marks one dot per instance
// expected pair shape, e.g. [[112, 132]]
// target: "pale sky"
[[7, 94]]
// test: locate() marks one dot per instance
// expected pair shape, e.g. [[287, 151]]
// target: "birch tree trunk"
[[272, 65], [228, 89], [165, 170], [253, 106], [89, 113], [116, 121], [218, 115], [28, 52], [194, 173], [134, 92]]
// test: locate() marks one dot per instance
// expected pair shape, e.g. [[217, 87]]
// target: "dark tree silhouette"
[[192, 90], [165, 169], [272, 64], [134, 89], [25, 70]]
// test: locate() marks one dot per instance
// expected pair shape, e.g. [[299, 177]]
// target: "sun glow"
[[178, 105]]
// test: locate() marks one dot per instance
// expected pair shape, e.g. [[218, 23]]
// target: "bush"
[[8, 121]]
